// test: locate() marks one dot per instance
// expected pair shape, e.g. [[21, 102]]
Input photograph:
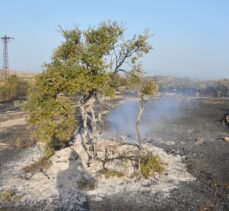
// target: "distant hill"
[[22, 74], [174, 82], [191, 86]]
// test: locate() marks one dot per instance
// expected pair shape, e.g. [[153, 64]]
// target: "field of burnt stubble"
[[196, 133]]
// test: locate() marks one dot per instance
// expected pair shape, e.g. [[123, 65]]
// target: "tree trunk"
[[93, 130], [139, 139], [83, 132], [139, 116], [88, 126]]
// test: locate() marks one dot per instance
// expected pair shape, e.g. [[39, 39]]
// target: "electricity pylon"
[[5, 66]]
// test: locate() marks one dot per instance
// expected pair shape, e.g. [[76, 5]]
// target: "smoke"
[[121, 120]]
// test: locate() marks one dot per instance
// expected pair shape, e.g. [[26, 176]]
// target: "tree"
[[143, 88], [66, 92], [117, 81]]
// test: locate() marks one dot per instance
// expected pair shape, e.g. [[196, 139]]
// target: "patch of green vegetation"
[[86, 184], [151, 164], [111, 173]]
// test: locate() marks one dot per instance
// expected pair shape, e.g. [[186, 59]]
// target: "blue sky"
[[191, 37]]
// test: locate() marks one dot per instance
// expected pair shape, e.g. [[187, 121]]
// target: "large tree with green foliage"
[[78, 76]]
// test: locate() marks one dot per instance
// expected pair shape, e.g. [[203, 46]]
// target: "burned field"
[[14, 133], [193, 128], [198, 135]]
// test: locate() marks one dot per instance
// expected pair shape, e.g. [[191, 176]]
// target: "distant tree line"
[[186, 86]]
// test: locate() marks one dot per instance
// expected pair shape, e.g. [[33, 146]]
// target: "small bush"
[[151, 164], [7, 195], [111, 173], [11, 196], [88, 184]]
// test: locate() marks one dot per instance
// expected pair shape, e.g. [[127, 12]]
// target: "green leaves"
[[142, 86], [102, 39], [149, 88], [52, 118], [81, 65]]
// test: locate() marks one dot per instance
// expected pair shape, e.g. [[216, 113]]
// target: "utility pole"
[[5, 66]]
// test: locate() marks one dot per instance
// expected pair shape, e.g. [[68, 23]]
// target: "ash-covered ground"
[[190, 127]]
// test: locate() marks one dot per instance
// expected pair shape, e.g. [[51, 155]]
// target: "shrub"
[[10, 196], [7, 195], [151, 164]]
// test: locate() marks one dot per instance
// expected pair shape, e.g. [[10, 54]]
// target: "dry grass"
[[40, 165], [10, 196], [37, 166], [7, 195], [86, 184], [213, 101], [208, 206], [23, 144], [151, 164], [110, 173], [4, 146]]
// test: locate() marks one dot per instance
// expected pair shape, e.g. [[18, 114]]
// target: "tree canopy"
[[81, 68]]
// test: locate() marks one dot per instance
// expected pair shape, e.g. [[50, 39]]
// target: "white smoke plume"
[[121, 120]]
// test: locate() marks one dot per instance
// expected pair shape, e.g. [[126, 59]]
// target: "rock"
[[226, 118], [199, 141], [226, 139], [156, 175], [148, 183], [25, 175]]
